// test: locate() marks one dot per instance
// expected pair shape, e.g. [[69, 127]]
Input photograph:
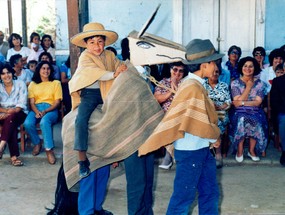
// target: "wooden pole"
[[73, 28], [24, 23], [10, 17]]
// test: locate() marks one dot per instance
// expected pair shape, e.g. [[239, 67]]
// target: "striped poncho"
[[191, 111], [127, 118]]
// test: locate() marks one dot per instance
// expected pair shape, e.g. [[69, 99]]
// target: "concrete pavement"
[[246, 188]]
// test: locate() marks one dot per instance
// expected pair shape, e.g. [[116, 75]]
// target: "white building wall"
[[224, 22], [127, 15]]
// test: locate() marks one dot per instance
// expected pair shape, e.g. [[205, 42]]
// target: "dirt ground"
[[245, 189]]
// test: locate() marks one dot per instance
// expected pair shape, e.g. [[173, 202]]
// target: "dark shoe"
[[84, 170], [103, 212], [50, 157], [282, 159], [166, 162], [219, 163], [37, 149], [166, 166]]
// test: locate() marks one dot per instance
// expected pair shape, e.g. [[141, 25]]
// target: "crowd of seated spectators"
[[248, 117], [35, 104], [254, 118]]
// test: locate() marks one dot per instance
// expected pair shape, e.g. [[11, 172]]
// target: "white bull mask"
[[149, 49]]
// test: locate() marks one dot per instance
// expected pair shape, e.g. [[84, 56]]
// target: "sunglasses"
[[234, 52], [178, 70], [258, 54]]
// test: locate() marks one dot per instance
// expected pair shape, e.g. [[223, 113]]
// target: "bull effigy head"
[[149, 49]]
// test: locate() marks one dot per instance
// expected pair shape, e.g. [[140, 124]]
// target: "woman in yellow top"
[[45, 95]]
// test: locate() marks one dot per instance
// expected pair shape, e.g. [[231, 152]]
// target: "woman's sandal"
[[17, 162]]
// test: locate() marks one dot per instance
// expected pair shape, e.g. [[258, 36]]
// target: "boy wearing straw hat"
[[97, 68]]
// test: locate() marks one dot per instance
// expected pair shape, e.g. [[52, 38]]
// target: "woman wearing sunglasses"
[[259, 54], [234, 54], [165, 97]]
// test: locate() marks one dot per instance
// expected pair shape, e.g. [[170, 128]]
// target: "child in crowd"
[[279, 70], [32, 64], [36, 49]]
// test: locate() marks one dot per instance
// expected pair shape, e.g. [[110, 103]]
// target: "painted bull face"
[[149, 49]]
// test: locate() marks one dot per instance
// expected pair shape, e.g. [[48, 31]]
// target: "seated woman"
[[13, 105], [219, 93], [16, 47], [248, 120], [45, 95], [46, 56], [48, 46], [165, 97]]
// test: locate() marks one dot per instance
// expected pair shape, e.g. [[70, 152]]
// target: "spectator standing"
[[277, 102], [234, 54], [259, 54], [279, 71], [4, 46]]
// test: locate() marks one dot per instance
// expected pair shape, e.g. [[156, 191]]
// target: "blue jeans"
[[139, 175], [281, 125], [93, 190], [195, 170], [46, 123], [90, 99]]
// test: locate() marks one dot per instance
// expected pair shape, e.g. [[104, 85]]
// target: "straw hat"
[[201, 51], [93, 29]]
